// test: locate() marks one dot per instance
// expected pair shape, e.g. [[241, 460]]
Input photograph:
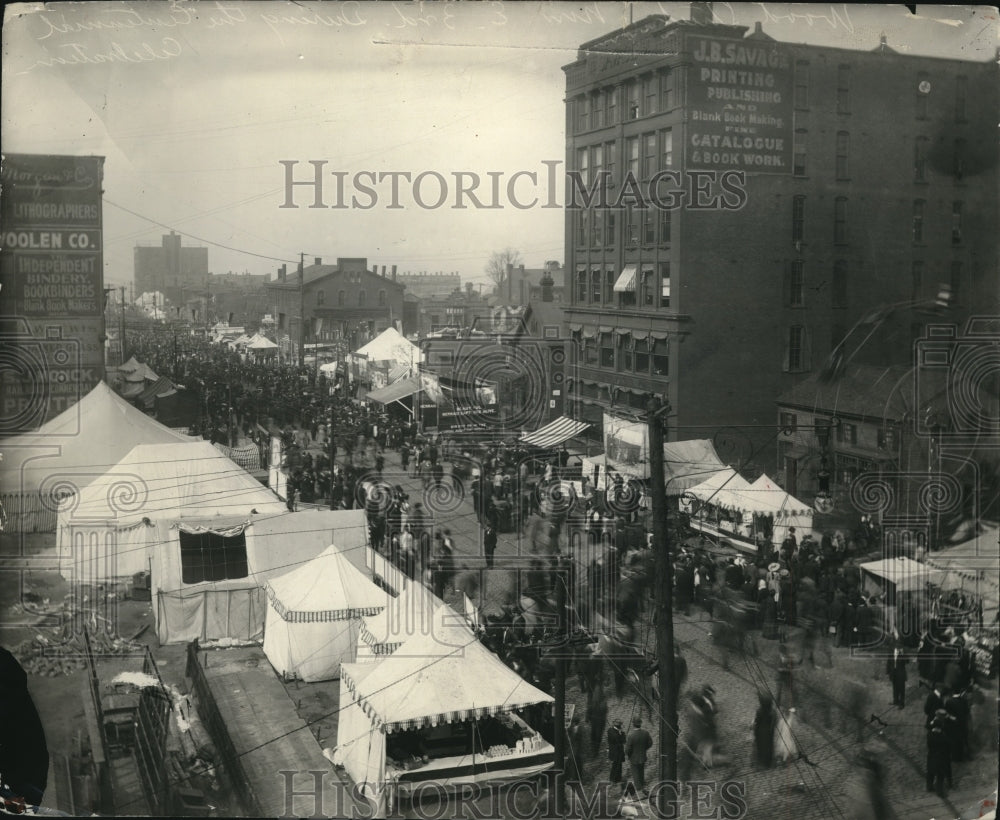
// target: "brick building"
[[342, 302], [177, 272], [801, 187]]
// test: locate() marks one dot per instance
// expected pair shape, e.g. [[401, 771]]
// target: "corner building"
[[813, 184]]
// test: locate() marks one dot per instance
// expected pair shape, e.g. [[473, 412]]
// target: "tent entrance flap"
[[555, 432]]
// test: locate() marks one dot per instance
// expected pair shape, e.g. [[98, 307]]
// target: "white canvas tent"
[[69, 452], [973, 565], [899, 574], [415, 610], [387, 350], [685, 464], [788, 511], [259, 342], [234, 608], [314, 616], [107, 529], [429, 682]]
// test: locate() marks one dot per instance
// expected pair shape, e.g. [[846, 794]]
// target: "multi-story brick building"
[[425, 285], [344, 302], [795, 188], [177, 272]]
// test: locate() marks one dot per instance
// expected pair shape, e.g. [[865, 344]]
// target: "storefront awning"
[[396, 390], [556, 432], [626, 280]]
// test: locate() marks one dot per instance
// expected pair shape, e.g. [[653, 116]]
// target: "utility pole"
[[302, 309], [663, 585], [121, 330], [560, 687]]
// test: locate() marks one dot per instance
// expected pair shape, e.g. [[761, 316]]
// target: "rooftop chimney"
[[383, 271], [282, 273], [701, 13], [393, 273], [547, 283]]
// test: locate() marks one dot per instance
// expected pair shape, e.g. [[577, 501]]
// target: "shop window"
[[661, 357], [607, 350]]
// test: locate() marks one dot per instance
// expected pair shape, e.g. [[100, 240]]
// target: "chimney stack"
[[383, 271], [547, 283], [393, 273]]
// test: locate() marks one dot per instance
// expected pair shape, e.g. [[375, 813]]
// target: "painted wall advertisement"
[[740, 101], [52, 295]]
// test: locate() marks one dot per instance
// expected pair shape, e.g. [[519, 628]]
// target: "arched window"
[[362, 298], [320, 297], [381, 298], [341, 298]]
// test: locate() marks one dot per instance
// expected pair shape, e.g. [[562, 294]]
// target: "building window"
[[581, 228], [916, 281], [798, 218], [632, 153], [651, 93], [844, 89], [609, 286], [918, 220], [362, 298], [666, 218], [664, 284], [581, 285], [609, 227], [956, 223], [958, 161], [649, 155], [961, 93], [788, 422], [801, 84], [583, 108], [582, 165], [799, 153], [550, 332], [625, 346], [887, 439], [661, 357], [341, 298], [920, 160], [381, 298], [597, 228], [613, 96], [795, 353], [667, 145], [610, 160], [281, 321], [796, 284], [641, 357], [599, 105], [207, 556], [649, 226], [847, 433], [633, 100], [631, 226], [667, 90], [320, 297], [843, 146], [839, 289], [840, 220], [607, 350], [956, 280], [597, 163], [595, 286], [589, 350], [647, 285]]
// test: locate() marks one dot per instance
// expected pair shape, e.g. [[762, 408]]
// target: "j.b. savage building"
[[797, 189]]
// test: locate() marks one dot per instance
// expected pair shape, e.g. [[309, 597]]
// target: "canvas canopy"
[[261, 343], [186, 609], [905, 574], [415, 610], [390, 346], [685, 464], [555, 432], [972, 565], [69, 452], [314, 616], [104, 529]]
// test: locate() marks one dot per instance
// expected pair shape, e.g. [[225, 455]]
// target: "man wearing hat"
[[637, 744], [938, 754], [895, 668], [616, 750]]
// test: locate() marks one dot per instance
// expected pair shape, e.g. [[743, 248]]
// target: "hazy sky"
[[195, 105]]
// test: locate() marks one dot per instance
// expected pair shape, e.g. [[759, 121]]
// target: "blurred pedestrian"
[[938, 754], [616, 751], [637, 744], [895, 668], [764, 723], [597, 717]]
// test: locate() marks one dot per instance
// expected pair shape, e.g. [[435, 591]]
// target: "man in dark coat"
[[24, 755], [895, 668], [935, 701], [616, 750], [763, 731], [637, 744], [938, 754], [489, 545]]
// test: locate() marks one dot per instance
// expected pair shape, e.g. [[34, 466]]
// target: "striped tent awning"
[[555, 432]]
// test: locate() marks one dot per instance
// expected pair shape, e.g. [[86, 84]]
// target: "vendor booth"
[[437, 712], [314, 616], [892, 576]]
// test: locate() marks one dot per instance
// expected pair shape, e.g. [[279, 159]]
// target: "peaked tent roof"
[[687, 464], [261, 343], [81, 443], [555, 432], [328, 585], [391, 345], [431, 680], [180, 480], [160, 388], [720, 485], [773, 497], [416, 609]]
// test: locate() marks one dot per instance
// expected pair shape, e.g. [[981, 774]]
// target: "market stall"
[[437, 712]]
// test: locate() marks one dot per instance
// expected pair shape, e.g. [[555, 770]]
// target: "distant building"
[[424, 285], [458, 309], [177, 272], [344, 302], [540, 289]]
